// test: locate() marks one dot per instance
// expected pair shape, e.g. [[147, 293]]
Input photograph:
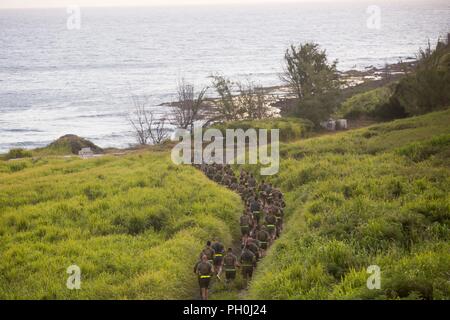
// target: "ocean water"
[[55, 81]]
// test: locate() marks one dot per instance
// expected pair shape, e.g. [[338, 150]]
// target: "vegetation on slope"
[[16, 154], [290, 128], [424, 90], [68, 144], [371, 104], [375, 196], [428, 88], [134, 225]]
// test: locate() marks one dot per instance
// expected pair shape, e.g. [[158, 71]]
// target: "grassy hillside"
[[66, 145], [424, 89], [134, 225], [375, 196], [366, 104]]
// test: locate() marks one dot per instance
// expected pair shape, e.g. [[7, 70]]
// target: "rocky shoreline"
[[280, 99]]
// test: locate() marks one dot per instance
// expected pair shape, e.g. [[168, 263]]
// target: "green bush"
[[425, 90], [372, 104], [17, 166], [67, 144], [17, 154], [428, 88]]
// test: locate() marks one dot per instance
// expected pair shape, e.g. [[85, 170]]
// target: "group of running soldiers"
[[261, 223]]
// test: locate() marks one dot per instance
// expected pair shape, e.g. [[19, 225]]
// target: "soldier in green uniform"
[[263, 237], [248, 261], [208, 251], [230, 263], [204, 270]]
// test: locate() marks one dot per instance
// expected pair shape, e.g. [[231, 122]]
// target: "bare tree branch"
[[146, 127], [137, 119], [188, 109]]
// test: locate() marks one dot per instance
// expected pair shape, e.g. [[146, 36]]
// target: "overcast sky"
[[91, 3]]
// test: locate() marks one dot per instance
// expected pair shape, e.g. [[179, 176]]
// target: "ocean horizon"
[[56, 81]]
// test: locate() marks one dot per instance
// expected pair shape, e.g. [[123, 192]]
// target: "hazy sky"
[[90, 3], [63, 3]]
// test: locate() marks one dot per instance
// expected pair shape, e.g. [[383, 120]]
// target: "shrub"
[[428, 88], [372, 104], [68, 144], [17, 166], [18, 153]]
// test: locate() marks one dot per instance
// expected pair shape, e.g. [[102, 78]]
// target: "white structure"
[[86, 153], [341, 124], [333, 125], [330, 124]]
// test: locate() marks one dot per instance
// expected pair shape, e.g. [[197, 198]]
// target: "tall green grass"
[[290, 128], [134, 225], [375, 196]]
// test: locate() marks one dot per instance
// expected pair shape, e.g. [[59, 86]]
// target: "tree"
[[146, 126], [137, 119], [157, 130], [313, 80], [428, 87], [252, 100], [386, 74], [237, 100], [226, 105], [189, 106]]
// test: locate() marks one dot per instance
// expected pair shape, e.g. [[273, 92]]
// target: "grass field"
[[134, 225], [374, 196]]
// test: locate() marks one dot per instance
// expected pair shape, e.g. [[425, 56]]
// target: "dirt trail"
[[219, 174]]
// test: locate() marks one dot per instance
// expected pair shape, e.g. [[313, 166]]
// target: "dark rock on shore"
[[74, 144]]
